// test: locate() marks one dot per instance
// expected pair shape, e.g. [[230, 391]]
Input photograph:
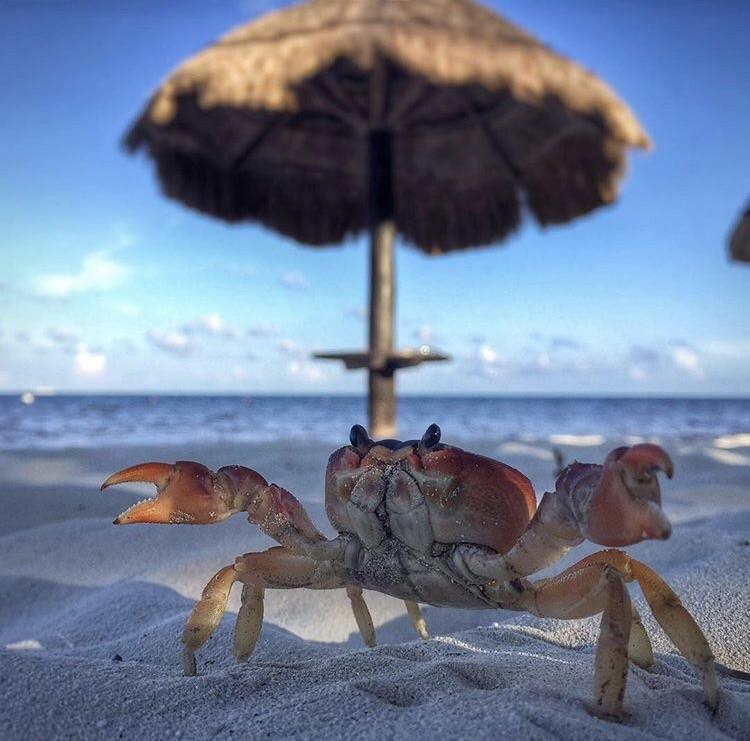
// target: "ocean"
[[82, 421]]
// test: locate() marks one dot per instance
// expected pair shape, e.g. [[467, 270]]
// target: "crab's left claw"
[[625, 507], [186, 493]]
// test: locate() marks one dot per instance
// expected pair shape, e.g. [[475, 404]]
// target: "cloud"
[[210, 324], [556, 343], [294, 281], [642, 362], [89, 363], [685, 357], [98, 272], [305, 370], [486, 361], [425, 335], [487, 354], [738, 349], [356, 312], [175, 343], [127, 309], [263, 330], [238, 373], [289, 347], [62, 335]]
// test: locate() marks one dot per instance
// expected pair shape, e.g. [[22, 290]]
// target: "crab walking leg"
[[581, 592], [669, 612], [249, 621], [639, 645], [276, 568], [417, 619], [206, 615], [362, 615]]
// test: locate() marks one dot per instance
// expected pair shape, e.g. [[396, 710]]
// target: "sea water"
[[71, 421]]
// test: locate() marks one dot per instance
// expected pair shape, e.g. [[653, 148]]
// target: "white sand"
[[75, 592]]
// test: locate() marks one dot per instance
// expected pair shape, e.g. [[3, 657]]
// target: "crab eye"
[[359, 439], [430, 438]]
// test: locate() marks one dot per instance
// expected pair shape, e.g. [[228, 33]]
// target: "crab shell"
[[470, 498]]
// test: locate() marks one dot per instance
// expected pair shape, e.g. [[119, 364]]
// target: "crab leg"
[[206, 615], [587, 590], [669, 612], [417, 619], [190, 493], [362, 615], [639, 645], [276, 568], [249, 621]]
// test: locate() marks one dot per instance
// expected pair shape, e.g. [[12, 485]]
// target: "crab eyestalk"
[[625, 506], [186, 493]]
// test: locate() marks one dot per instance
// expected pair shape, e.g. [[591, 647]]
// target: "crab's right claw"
[[186, 493], [625, 507]]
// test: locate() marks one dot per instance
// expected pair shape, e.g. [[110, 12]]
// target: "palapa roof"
[[739, 242], [271, 124]]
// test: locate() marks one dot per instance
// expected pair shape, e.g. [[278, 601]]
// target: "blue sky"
[[106, 285]]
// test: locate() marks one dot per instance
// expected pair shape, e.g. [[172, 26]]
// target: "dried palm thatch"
[[739, 242], [271, 123]]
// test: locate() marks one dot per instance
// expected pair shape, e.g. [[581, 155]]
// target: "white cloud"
[[294, 280], [642, 362], [732, 349], [425, 334], [171, 342], [486, 361], [289, 347], [686, 358], [211, 324], [487, 354], [98, 272], [63, 335], [263, 330], [128, 309], [89, 363], [305, 370]]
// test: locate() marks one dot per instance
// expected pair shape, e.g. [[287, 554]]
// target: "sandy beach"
[[91, 616]]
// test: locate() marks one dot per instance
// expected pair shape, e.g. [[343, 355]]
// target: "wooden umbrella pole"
[[381, 376], [381, 380]]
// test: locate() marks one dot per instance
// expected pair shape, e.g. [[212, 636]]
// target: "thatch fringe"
[[270, 124]]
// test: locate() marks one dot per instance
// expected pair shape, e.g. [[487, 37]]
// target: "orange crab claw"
[[186, 493], [645, 459], [626, 505]]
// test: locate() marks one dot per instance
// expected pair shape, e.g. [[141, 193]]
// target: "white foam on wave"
[[523, 449], [740, 440], [581, 441], [727, 457], [30, 644]]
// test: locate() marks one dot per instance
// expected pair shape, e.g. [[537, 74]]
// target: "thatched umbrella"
[[739, 242], [435, 119]]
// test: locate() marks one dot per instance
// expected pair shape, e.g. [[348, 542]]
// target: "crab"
[[429, 523]]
